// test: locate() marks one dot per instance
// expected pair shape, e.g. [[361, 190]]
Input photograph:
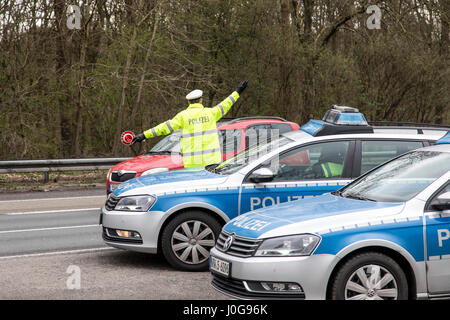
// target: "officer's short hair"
[[195, 100]]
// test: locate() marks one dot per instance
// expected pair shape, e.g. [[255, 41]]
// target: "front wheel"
[[370, 276], [188, 238]]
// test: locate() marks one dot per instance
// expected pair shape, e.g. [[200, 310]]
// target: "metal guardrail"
[[57, 165]]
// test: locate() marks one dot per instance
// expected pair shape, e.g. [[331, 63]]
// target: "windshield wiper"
[[358, 197], [223, 168], [337, 193], [211, 167]]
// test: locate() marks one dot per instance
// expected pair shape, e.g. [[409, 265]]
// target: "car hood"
[[170, 181], [313, 215], [149, 161]]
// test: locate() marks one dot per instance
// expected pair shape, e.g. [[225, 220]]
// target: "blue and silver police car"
[[386, 235], [181, 213]]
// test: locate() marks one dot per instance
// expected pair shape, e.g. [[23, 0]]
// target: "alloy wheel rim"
[[371, 282], [191, 241]]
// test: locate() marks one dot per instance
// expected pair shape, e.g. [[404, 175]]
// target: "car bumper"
[[147, 224], [311, 273]]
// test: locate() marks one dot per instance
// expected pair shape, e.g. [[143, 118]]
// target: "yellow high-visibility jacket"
[[331, 169], [200, 144]]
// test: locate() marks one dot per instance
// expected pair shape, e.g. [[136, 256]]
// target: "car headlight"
[[154, 170], [135, 203], [296, 245]]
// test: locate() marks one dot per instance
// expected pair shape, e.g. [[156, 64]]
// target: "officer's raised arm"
[[222, 108]]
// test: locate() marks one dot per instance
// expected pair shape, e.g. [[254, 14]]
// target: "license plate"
[[220, 266]]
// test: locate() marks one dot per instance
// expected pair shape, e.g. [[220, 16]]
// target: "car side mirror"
[[441, 203], [261, 175]]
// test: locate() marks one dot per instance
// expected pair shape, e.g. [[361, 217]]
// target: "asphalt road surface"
[[51, 248], [46, 232]]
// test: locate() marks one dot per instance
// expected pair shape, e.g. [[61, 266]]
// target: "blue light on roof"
[[351, 119], [312, 126], [344, 115], [445, 139], [338, 120]]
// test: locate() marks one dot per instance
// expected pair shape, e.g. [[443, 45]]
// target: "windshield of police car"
[[401, 179], [249, 155]]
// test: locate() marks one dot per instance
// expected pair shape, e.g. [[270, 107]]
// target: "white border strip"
[[45, 199], [52, 253], [51, 211], [46, 229]]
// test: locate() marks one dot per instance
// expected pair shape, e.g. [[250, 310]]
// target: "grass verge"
[[34, 181]]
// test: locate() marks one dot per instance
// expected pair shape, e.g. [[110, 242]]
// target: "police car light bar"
[[345, 115], [344, 108], [338, 120]]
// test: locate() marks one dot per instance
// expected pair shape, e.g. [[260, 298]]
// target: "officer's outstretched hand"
[[241, 87], [139, 138]]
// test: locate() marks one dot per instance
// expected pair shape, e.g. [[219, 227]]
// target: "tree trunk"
[[445, 28], [307, 27], [63, 133], [284, 96], [126, 72], [80, 102], [442, 115], [137, 105]]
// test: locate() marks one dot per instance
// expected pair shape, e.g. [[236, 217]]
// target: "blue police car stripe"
[[257, 223], [224, 200], [438, 233], [311, 184], [298, 211], [405, 230], [195, 190], [166, 177]]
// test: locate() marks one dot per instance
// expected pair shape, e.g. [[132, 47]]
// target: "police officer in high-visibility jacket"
[[199, 142], [331, 169], [331, 162]]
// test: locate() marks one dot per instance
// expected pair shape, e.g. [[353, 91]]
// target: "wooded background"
[[68, 92]]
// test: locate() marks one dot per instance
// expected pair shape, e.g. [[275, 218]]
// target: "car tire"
[[370, 276], [187, 239]]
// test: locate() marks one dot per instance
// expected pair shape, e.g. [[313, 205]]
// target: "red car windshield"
[[168, 145]]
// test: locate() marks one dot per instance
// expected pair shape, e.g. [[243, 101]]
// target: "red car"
[[165, 155]]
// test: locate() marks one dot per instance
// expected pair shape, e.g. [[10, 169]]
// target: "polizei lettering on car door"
[[257, 202], [443, 234]]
